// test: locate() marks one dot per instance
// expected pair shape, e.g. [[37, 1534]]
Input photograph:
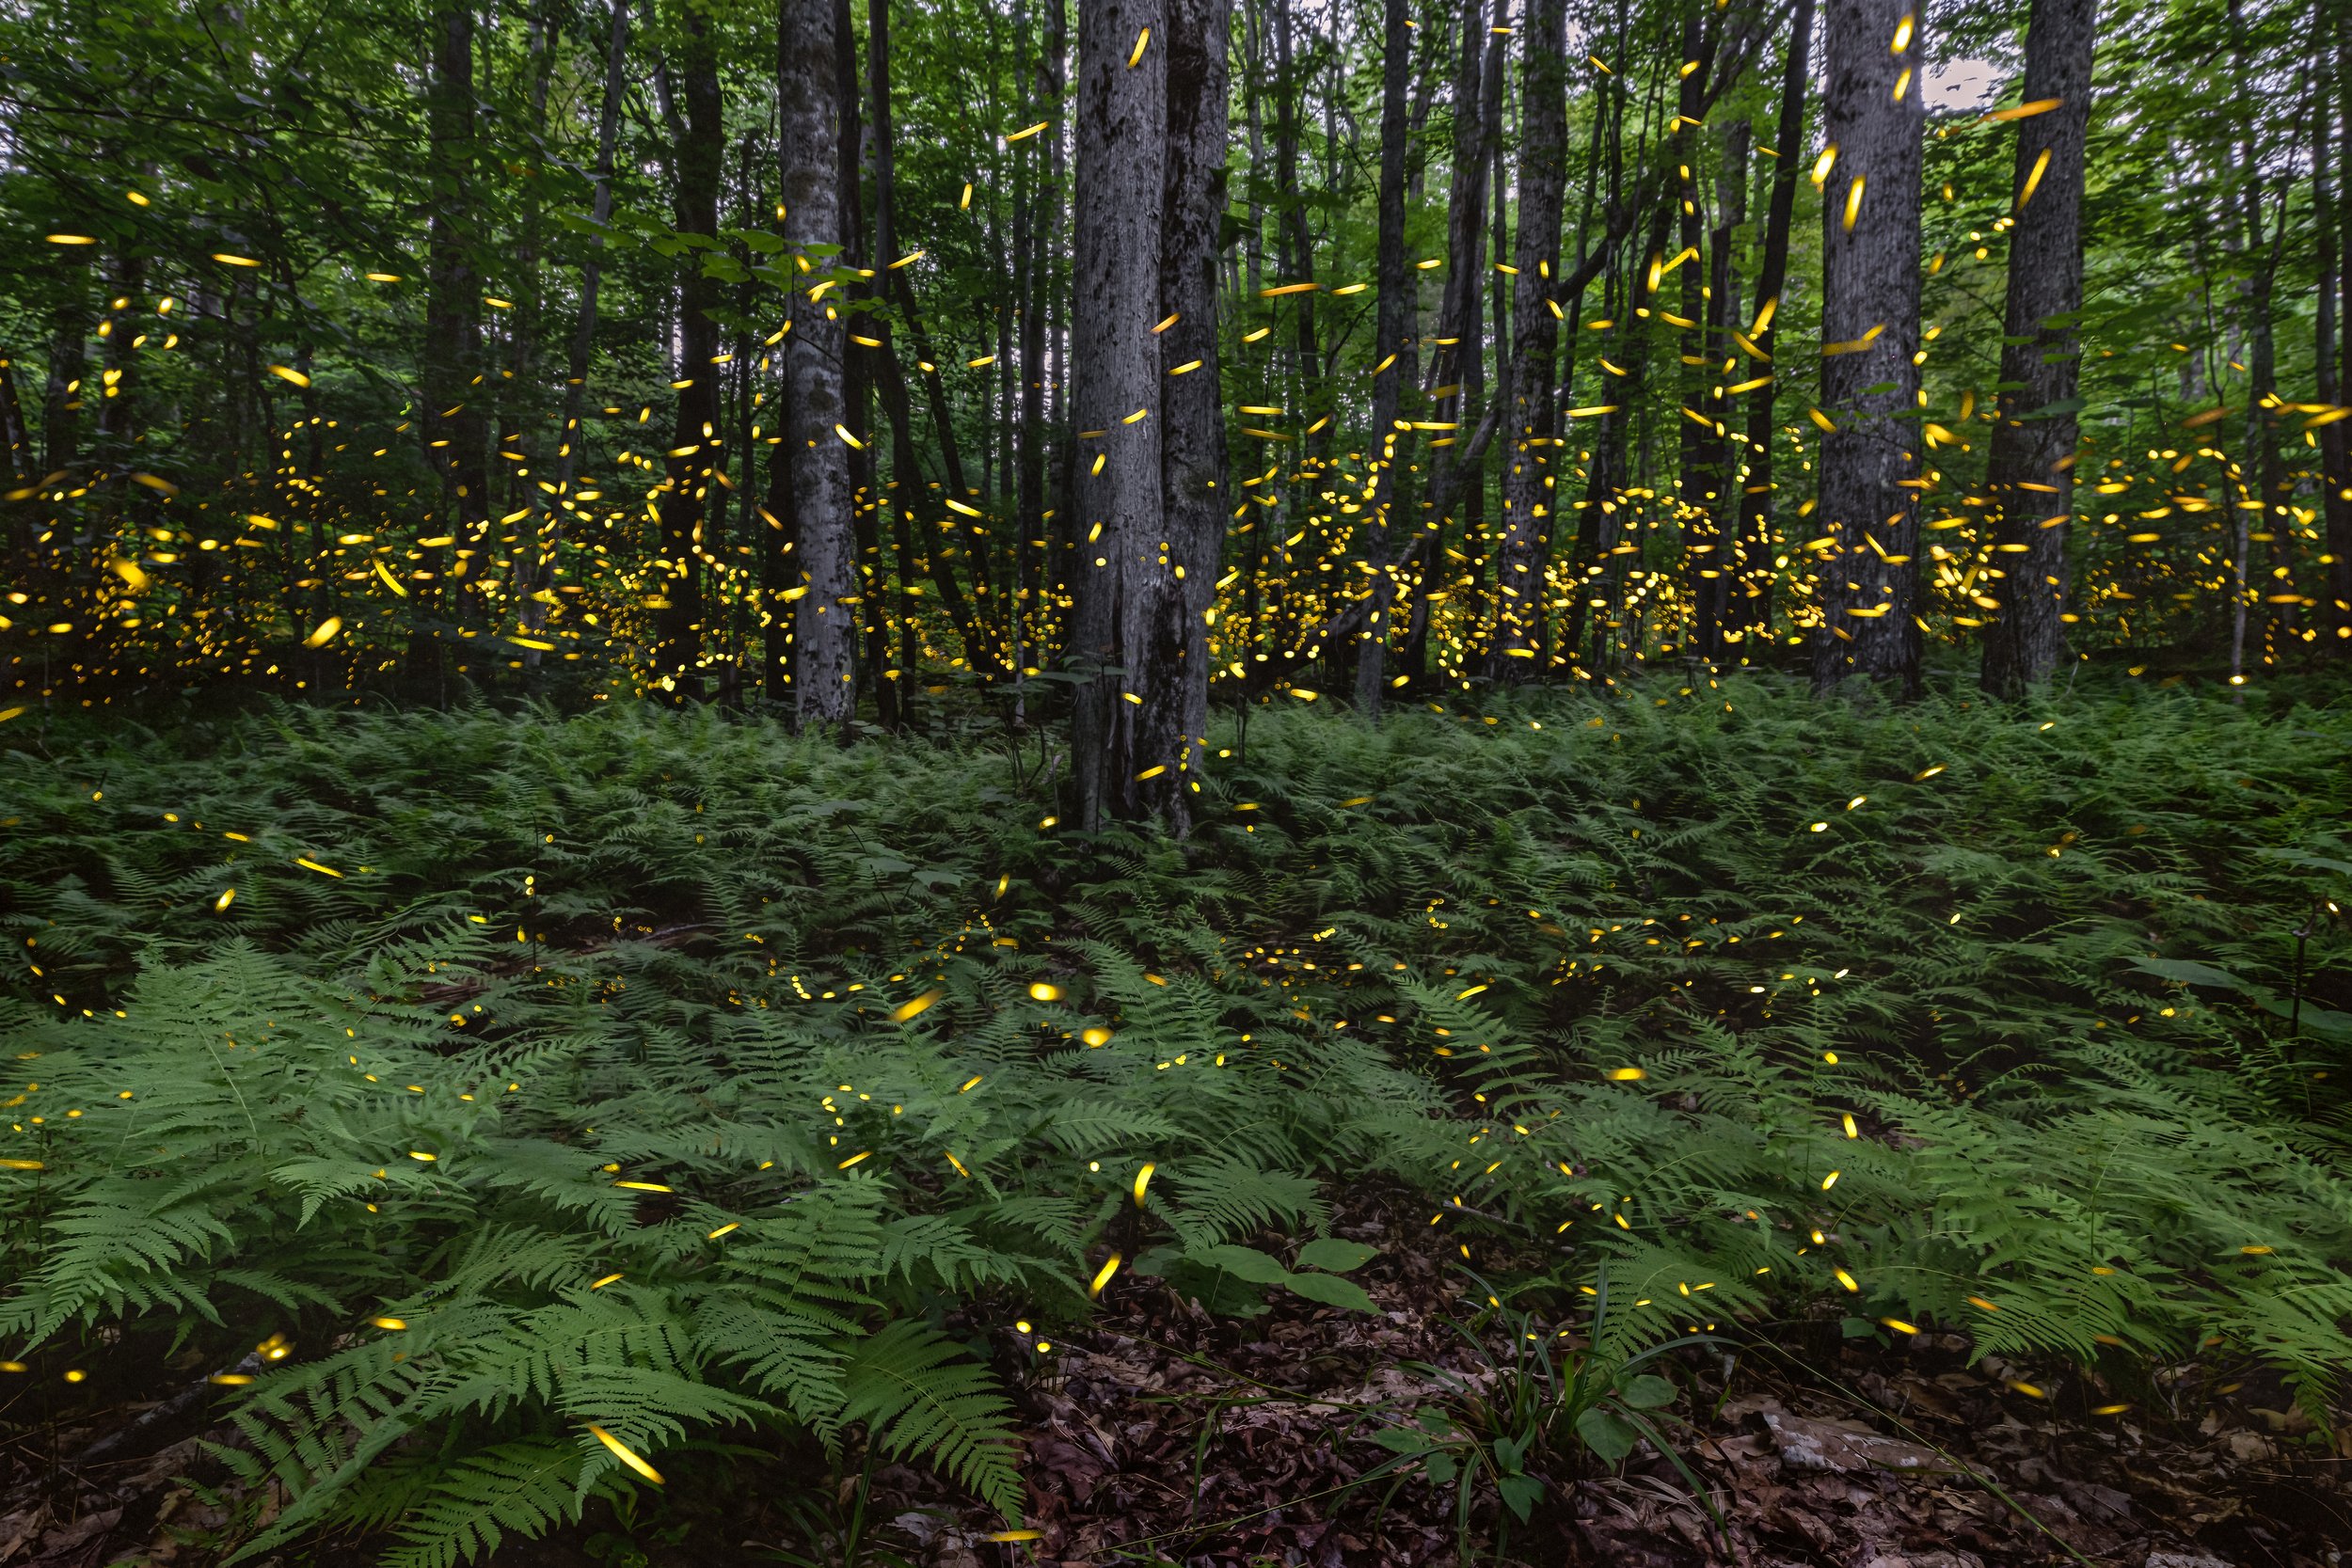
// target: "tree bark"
[[2335, 345], [1698, 490], [1456, 364], [1714, 570], [452, 421], [824, 624], [1515, 651], [69, 369], [2029, 472], [591, 282], [1169, 604], [906, 474], [1753, 605], [1393, 356], [696, 444], [1298, 254], [1123, 577], [14, 435], [1868, 579]]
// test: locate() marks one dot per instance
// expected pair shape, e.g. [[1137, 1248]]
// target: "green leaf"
[[1610, 1436], [1337, 1256], [1244, 1263], [1331, 1289], [1645, 1393], [2187, 971]]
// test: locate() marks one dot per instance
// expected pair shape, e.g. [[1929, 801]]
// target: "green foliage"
[[672, 1076]]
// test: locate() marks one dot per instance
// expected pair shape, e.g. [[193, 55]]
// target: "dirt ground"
[[1159, 1434]]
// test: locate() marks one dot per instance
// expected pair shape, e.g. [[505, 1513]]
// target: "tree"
[[1395, 364], [1702, 450], [2332, 211], [824, 620], [1124, 579], [1515, 648], [454, 431], [1175, 586], [694, 449], [2029, 476], [1867, 579], [1753, 605], [1456, 365]]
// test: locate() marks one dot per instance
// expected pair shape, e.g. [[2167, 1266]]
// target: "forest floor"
[[1980, 1061], [1162, 1434]]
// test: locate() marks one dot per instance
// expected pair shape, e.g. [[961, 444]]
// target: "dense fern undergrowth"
[[514, 1077]]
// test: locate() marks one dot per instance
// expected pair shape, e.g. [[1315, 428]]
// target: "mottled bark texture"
[[2029, 476], [1167, 630], [1394, 357], [686, 498], [1867, 578], [824, 625], [1516, 646], [1751, 606], [1122, 535]]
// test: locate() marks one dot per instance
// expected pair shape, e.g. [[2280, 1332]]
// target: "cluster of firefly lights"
[[1264, 609]]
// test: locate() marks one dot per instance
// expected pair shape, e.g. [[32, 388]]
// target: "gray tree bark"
[[1868, 578], [2336, 353], [1752, 608], [451, 423], [1516, 648], [1167, 596], [686, 503], [2029, 474], [1123, 577], [824, 625], [1392, 351], [1456, 364]]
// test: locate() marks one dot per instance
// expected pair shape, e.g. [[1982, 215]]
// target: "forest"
[[1210, 782]]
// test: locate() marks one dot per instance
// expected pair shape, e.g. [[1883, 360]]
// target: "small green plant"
[[1535, 1408]]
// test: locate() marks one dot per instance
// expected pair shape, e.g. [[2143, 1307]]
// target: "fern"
[[910, 1385], [1430, 988]]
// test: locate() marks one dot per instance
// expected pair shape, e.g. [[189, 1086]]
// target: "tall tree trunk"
[[1457, 366], [696, 448], [453, 419], [824, 624], [69, 368], [1394, 357], [1035, 566], [1699, 347], [1168, 600], [576, 363], [14, 435], [1516, 650], [1298, 254], [2265, 472], [1868, 578], [857, 381], [906, 474], [1123, 585], [2333, 59], [1713, 486], [1772, 277], [2029, 473]]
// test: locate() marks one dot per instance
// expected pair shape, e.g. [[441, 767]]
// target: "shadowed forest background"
[[1221, 782]]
